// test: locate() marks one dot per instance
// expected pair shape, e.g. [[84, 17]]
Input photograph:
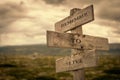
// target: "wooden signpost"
[[83, 46], [72, 40]]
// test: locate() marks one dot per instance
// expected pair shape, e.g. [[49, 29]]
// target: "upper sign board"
[[70, 40], [88, 58], [79, 18]]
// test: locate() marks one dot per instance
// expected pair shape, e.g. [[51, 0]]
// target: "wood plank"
[[74, 62], [79, 18], [97, 43], [55, 39], [76, 41]]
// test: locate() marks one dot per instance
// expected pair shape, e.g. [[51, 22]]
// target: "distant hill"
[[43, 49], [31, 49], [114, 48]]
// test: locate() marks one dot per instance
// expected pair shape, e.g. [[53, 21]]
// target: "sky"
[[25, 22]]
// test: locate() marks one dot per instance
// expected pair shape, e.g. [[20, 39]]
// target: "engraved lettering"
[[74, 19]]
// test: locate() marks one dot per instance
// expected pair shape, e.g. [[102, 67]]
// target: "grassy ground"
[[39, 67], [108, 69]]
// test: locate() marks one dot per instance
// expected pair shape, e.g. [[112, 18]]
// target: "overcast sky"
[[26, 21]]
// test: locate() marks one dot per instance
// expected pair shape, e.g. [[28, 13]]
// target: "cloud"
[[30, 29], [9, 13], [110, 10], [109, 15], [68, 2], [104, 9], [54, 2], [26, 22], [21, 39]]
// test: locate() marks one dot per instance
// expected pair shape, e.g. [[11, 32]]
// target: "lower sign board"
[[82, 60], [76, 41]]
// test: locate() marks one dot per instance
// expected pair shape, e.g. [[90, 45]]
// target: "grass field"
[[41, 67]]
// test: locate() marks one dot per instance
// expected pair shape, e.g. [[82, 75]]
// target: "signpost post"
[[83, 46]]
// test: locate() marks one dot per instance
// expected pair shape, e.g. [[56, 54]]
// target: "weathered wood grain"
[[78, 74], [79, 18], [77, 61], [76, 41]]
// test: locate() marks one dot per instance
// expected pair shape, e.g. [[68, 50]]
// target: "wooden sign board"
[[82, 60], [76, 41], [79, 18]]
